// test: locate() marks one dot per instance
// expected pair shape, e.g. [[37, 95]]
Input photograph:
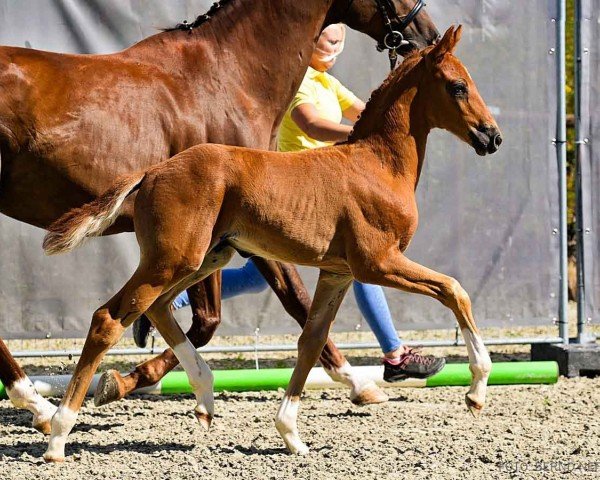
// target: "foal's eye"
[[458, 90]]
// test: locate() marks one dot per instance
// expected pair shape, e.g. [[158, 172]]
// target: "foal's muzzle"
[[485, 139]]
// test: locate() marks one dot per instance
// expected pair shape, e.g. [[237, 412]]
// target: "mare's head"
[[452, 100], [367, 17]]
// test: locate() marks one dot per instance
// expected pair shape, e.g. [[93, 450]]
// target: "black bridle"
[[395, 25]]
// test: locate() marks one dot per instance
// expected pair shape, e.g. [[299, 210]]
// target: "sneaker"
[[411, 364], [141, 331]]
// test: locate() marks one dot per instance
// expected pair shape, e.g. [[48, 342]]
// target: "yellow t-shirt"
[[329, 97]]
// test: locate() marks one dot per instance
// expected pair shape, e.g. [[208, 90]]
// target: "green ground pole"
[[454, 374]]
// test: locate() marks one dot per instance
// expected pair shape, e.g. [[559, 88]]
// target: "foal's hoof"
[[369, 395], [473, 406], [50, 459], [110, 388], [204, 419]]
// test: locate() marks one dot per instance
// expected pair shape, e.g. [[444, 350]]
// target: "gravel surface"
[[526, 432], [420, 433]]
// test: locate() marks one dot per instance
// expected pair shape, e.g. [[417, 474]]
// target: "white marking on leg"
[[201, 379], [62, 422], [360, 386], [480, 365], [23, 394], [286, 422]]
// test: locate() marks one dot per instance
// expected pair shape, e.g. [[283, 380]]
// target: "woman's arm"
[[353, 111], [307, 118]]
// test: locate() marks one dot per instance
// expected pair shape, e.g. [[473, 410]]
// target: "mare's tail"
[[70, 230]]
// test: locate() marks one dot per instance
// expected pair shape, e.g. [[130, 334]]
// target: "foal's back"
[[286, 206]]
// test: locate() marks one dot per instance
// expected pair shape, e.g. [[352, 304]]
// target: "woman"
[[312, 121]]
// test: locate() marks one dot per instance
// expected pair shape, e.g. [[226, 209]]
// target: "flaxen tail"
[[90, 220]]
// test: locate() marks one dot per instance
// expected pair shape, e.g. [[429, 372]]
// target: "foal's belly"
[[266, 244]]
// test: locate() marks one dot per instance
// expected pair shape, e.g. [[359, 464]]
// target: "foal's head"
[[453, 102]]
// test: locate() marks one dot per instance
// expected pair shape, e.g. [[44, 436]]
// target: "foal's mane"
[[379, 101], [200, 19]]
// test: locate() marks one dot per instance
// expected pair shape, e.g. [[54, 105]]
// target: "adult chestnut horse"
[[68, 125], [349, 210]]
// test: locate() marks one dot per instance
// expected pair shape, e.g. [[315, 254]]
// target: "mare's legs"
[[399, 272], [22, 393], [329, 294], [206, 306], [289, 288]]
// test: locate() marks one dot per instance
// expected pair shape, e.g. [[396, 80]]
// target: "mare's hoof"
[[369, 395], [474, 407], [42, 426], [109, 388], [41, 421], [204, 419]]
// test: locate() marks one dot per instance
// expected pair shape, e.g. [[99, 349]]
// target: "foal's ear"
[[447, 44]]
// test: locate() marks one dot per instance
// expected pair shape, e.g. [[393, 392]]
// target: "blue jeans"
[[370, 298]]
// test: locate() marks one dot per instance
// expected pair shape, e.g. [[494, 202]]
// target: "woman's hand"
[[353, 111]]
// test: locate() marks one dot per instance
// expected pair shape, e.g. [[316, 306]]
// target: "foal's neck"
[[395, 128]]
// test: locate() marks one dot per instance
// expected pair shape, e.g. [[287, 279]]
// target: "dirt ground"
[[540, 431], [536, 431]]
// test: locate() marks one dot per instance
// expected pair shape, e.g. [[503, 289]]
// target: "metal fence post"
[[582, 151], [579, 142], [561, 156]]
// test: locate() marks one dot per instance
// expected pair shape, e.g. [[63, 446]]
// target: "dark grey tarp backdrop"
[[487, 221], [590, 152]]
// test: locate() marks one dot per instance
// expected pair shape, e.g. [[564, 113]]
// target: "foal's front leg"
[[329, 294], [399, 272]]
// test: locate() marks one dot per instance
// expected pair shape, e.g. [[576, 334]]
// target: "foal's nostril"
[[494, 143], [497, 140]]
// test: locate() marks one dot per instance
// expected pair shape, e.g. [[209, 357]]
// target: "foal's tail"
[[70, 230]]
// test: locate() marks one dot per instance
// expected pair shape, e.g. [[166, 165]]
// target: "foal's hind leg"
[[399, 272], [329, 294], [198, 371], [205, 299], [22, 393], [108, 324], [289, 288]]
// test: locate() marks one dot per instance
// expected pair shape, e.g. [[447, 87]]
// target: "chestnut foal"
[[349, 209]]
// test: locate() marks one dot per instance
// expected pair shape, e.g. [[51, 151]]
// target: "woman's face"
[[328, 46]]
